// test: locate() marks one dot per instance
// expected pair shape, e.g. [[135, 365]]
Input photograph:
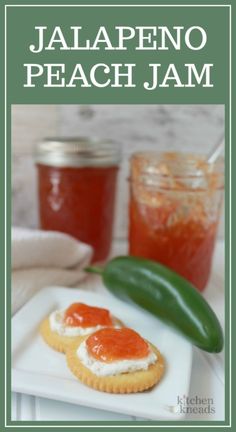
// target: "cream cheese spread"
[[114, 368], [56, 320]]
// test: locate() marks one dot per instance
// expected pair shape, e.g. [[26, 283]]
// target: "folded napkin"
[[42, 258]]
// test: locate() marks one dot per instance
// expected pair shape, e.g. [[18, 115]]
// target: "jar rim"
[[173, 170], [195, 161], [77, 152]]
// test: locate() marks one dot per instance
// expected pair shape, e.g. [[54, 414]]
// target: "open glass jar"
[[76, 187], [174, 211]]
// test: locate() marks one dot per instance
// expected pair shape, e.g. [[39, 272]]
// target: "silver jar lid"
[[77, 152]]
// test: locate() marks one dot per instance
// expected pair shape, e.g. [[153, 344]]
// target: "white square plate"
[[40, 371]]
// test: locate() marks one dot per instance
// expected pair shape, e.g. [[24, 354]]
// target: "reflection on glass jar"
[[76, 186], [175, 207]]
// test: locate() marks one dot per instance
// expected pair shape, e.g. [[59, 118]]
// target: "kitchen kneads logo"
[[194, 405]]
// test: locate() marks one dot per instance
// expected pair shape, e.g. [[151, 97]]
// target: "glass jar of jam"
[[174, 211], [76, 187]]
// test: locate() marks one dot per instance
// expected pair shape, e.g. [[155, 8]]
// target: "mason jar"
[[76, 189], [175, 206]]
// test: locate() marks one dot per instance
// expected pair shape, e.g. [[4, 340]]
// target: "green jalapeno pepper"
[[166, 295]]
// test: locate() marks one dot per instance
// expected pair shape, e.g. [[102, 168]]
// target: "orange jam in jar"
[[174, 211], [82, 315], [111, 345], [76, 187]]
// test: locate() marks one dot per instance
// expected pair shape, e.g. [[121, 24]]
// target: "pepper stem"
[[97, 270]]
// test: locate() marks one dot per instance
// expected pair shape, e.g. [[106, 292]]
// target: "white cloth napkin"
[[42, 258]]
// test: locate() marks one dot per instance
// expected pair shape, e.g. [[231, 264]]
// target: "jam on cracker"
[[109, 345], [82, 315]]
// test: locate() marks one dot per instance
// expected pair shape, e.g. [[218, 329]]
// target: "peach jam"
[[76, 188], [174, 211], [109, 345], [82, 315]]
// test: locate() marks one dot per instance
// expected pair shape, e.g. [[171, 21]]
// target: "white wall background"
[[136, 127]]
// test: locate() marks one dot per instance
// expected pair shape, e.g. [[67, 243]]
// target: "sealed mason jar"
[[175, 203], [76, 189]]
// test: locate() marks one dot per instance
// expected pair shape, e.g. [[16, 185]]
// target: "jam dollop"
[[82, 315], [110, 344]]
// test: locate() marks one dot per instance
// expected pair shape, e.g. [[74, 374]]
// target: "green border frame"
[[5, 192]]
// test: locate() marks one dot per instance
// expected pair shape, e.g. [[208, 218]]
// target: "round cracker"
[[131, 382]]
